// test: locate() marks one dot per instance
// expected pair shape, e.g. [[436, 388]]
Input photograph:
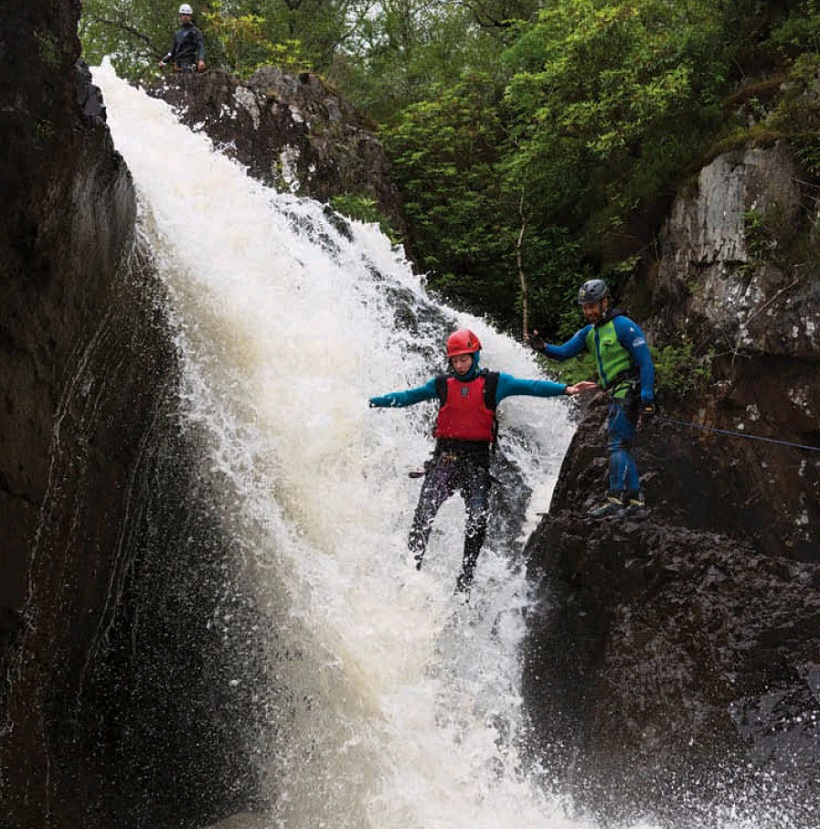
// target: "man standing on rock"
[[627, 374], [188, 51]]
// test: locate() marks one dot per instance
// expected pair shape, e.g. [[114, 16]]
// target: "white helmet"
[[185, 9]]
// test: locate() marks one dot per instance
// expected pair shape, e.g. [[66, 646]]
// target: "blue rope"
[[740, 434]]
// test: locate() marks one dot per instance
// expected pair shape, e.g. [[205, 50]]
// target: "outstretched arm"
[[509, 386], [408, 397], [580, 388], [571, 348]]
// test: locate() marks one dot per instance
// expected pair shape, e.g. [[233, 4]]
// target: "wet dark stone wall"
[[117, 706]]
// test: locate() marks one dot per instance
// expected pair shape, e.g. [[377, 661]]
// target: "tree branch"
[[117, 24], [522, 277]]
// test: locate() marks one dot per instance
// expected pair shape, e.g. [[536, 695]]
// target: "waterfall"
[[400, 705]]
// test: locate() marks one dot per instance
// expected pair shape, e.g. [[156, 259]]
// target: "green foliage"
[[556, 269], [796, 116], [572, 371], [808, 151], [444, 153], [680, 371], [363, 209], [799, 31], [404, 51], [135, 34], [596, 84], [241, 40], [243, 45], [759, 239]]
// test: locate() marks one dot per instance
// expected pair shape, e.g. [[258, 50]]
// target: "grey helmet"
[[593, 290]]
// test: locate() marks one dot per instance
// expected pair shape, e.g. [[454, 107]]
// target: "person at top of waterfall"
[[188, 51], [465, 430], [627, 374]]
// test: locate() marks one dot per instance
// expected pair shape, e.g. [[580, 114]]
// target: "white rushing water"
[[403, 705]]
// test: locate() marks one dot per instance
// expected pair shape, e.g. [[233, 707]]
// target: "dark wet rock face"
[[668, 666], [672, 666], [115, 702]]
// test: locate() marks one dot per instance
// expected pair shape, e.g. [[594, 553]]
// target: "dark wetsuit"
[[456, 466], [460, 466], [188, 48]]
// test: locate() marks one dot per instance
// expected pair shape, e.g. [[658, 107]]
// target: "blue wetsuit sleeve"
[[408, 397], [571, 348], [632, 338], [509, 386]]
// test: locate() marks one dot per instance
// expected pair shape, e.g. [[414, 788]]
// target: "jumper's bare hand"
[[580, 388]]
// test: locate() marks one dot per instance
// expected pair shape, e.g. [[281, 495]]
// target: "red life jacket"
[[467, 409]]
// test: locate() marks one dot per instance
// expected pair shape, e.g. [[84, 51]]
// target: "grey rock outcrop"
[[739, 258], [291, 132]]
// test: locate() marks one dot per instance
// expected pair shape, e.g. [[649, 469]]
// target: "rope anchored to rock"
[[738, 434]]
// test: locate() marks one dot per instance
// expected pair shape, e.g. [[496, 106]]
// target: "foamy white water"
[[403, 706]]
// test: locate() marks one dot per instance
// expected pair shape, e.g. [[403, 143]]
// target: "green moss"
[[49, 48], [44, 130]]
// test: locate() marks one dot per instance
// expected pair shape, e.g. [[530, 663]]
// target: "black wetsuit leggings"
[[446, 474]]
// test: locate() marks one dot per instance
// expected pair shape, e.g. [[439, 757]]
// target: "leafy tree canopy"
[[535, 142]]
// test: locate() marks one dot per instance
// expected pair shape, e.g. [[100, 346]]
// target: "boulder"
[[292, 132]]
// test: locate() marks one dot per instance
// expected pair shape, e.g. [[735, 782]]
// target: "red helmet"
[[462, 341]]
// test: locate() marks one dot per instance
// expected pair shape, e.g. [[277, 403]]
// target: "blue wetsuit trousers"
[[447, 474], [622, 424]]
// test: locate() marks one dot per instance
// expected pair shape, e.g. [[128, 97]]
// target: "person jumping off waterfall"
[[465, 430], [188, 51], [627, 374]]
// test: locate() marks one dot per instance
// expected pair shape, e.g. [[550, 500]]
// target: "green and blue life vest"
[[616, 369]]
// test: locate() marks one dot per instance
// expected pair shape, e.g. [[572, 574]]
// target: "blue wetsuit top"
[[508, 386]]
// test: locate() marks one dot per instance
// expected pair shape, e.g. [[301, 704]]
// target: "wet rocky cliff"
[[115, 709], [673, 664]]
